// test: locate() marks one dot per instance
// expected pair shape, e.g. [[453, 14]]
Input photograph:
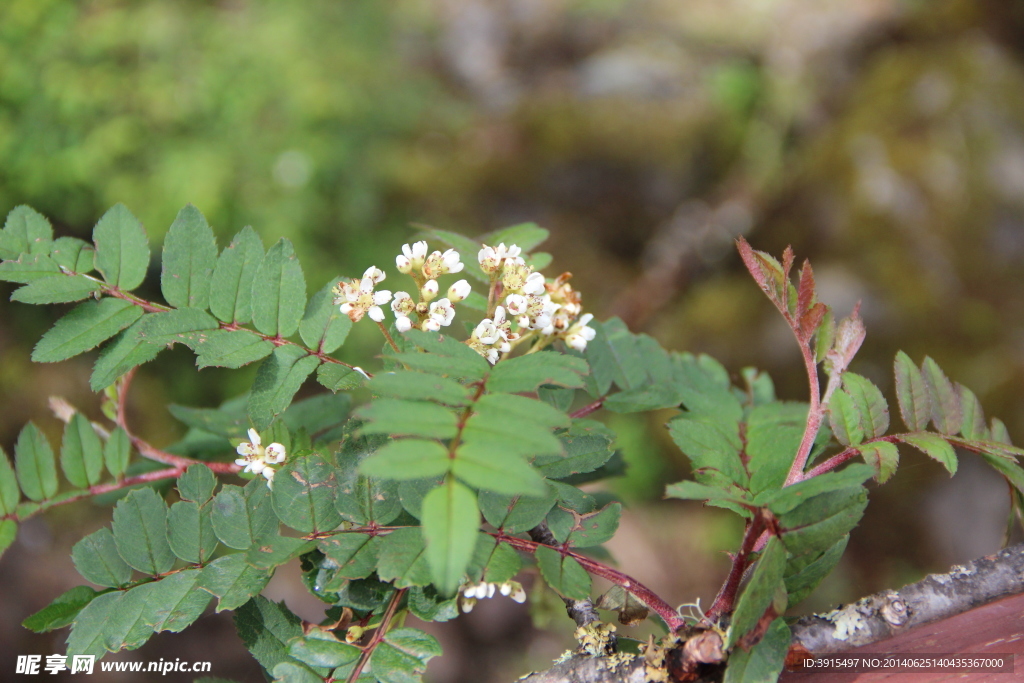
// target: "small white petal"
[[430, 325], [254, 437], [276, 453], [459, 291], [346, 308], [376, 314], [403, 264], [403, 323], [467, 605], [241, 462], [360, 371], [519, 596], [382, 297], [429, 290], [505, 588], [246, 449], [490, 590]]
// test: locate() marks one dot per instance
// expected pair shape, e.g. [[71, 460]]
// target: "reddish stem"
[[637, 589], [588, 409], [814, 412], [727, 595], [377, 636]]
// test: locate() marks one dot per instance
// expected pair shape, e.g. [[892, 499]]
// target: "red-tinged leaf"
[[912, 393], [947, 415], [845, 419], [972, 424], [883, 456], [935, 447], [787, 261], [825, 335], [805, 290], [766, 271], [874, 411], [849, 336], [999, 432], [811, 320]]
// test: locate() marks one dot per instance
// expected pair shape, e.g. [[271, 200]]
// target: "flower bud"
[[429, 290], [459, 291]]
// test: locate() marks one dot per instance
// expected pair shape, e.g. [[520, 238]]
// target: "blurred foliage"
[[884, 139]]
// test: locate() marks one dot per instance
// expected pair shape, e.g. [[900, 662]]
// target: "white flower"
[[403, 323], [516, 304], [258, 459], [429, 290], [492, 258], [442, 311], [452, 262], [534, 284], [472, 592], [357, 297], [403, 304], [430, 325], [459, 291], [416, 252], [579, 334], [403, 264]]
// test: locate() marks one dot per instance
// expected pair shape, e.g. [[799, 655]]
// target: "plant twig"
[[726, 597], [377, 636], [589, 408]]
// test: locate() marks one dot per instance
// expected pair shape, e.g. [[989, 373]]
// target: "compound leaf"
[[81, 453], [96, 559], [243, 517], [190, 252], [233, 581], [407, 459], [231, 283], [303, 494], [935, 447], [324, 327], [122, 248], [450, 521], [874, 411], [140, 532], [278, 292], [58, 289], [34, 464], [231, 349], [278, 379], [526, 373], [945, 400], [84, 327]]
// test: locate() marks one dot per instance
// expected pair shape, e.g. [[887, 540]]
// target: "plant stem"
[[588, 409], [814, 415], [377, 636], [637, 589], [727, 595], [387, 335]]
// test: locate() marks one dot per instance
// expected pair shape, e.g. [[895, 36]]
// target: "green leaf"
[[845, 419], [407, 459], [173, 602], [883, 457], [84, 327], [597, 528], [774, 432], [28, 268], [81, 453], [762, 663], [321, 648], [229, 420], [10, 493], [527, 236], [231, 284], [973, 421], [356, 556], [278, 379], [450, 521], [408, 418], [514, 424], [445, 356], [710, 444], [935, 447], [418, 386], [243, 517], [612, 357], [801, 583], [233, 581], [702, 383], [73, 254], [278, 292], [266, 628], [231, 349], [820, 521], [403, 558], [526, 373], [403, 656], [691, 490], [34, 464], [190, 252], [62, 611], [127, 351], [467, 247], [122, 248], [116, 452], [190, 531], [96, 559], [303, 494], [760, 592], [8, 532], [515, 514], [425, 604], [197, 484], [324, 327], [338, 377], [502, 563], [585, 448], [277, 550], [486, 469], [1011, 471], [947, 415], [912, 393], [563, 573], [363, 500], [58, 289], [25, 231], [874, 411], [140, 531], [786, 499]]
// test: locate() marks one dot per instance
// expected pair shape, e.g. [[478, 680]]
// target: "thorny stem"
[[387, 335], [727, 595], [377, 636], [637, 589]]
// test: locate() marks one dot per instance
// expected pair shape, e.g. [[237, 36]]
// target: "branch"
[[377, 636], [639, 591], [934, 598]]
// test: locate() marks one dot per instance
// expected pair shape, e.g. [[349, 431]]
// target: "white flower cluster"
[[550, 309], [473, 592], [424, 270], [259, 460], [358, 298]]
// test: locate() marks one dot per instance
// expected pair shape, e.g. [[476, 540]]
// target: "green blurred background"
[[884, 139]]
